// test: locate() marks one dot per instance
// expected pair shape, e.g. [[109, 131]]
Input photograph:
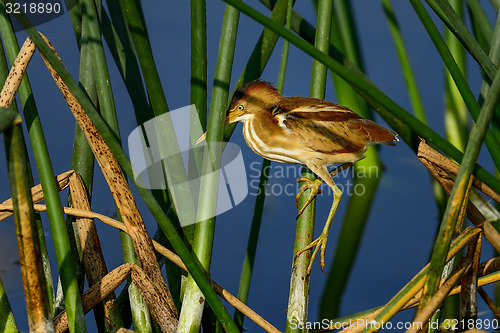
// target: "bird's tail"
[[380, 134]]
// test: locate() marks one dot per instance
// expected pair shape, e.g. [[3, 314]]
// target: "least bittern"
[[308, 131]]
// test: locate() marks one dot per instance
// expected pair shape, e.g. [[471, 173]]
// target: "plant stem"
[[298, 299], [193, 303]]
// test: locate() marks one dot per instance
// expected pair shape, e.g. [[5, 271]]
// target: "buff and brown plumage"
[[304, 130]]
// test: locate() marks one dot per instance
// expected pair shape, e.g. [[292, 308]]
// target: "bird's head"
[[248, 100], [254, 97]]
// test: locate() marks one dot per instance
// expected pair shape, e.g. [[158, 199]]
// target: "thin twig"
[[62, 181]]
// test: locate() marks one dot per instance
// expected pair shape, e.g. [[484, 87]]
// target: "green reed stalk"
[[253, 69], [298, 300], [457, 130], [192, 309], [117, 37], [83, 158], [457, 26], [404, 60], [91, 27], [494, 54], [248, 262], [115, 32], [480, 24], [264, 46], [199, 59], [8, 118], [412, 86]]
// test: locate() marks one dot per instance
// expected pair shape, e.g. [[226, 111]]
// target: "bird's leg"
[[320, 242], [314, 186]]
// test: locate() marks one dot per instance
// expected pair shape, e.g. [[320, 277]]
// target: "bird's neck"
[[266, 138], [260, 126]]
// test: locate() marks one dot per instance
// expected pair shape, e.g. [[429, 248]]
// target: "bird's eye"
[[240, 107]]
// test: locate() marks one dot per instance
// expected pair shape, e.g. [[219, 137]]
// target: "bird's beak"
[[233, 115], [230, 118], [201, 138]]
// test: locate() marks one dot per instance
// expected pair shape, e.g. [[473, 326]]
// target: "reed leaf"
[[56, 219], [458, 28], [37, 303], [462, 85], [480, 24], [404, 60]]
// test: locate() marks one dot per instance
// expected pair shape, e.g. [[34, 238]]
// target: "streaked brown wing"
[[321, 136], [314, 109], [329, 127]]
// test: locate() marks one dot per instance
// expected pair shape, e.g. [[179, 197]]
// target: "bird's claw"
[[319, 242], [313, 185]]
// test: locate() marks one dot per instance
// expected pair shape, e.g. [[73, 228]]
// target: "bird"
[[308, 131]]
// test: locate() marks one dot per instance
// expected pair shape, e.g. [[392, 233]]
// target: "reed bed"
[[164, 282]]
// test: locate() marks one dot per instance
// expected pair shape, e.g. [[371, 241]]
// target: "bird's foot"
[[319, 242], [312, 185]]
